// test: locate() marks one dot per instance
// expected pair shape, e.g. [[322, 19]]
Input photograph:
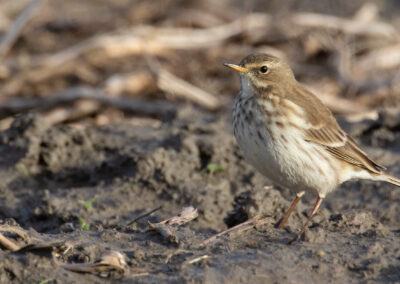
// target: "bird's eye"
[[264, 69]]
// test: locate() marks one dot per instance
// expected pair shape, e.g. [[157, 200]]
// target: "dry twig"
[[386, 57], [173, 85], [151, 108], [8, 244], [15, 230], [165, 228], [238, 229], [79, 110], [197, 259], [348, 26], [13, 32], [158, 40], [134, 83], [139, 40], [46, 248], [366, 13], [166, 81], [144, 215], [113, 261]]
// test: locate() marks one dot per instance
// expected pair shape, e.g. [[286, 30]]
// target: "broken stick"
[[165, 228], [153, 108], [256, 221], [144, 215], [113, 261], [8, 244], [170, 83], [15, 29]]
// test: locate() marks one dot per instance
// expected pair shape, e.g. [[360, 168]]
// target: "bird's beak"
[[236, 67]]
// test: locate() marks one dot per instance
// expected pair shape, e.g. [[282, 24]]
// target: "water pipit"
[[291, 137]]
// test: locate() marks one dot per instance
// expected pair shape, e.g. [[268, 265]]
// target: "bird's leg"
[[291, 208], [308, 223]]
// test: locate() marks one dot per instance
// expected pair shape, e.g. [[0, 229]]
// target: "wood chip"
[[166, 228], [113, 261]]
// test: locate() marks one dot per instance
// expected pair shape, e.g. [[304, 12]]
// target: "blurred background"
[[97, 62]]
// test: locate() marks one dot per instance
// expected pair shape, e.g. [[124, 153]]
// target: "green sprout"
[[87, 203], [212, 168], [84, 226], [23, 169]]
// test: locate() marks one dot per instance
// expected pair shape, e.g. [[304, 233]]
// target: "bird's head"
[[263, 70]]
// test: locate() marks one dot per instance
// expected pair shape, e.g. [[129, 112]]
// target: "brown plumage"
[[326, 132], [293, 138]]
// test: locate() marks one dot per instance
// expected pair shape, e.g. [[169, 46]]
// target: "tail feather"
[[390, 179]]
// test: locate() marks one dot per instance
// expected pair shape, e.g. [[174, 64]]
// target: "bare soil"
[[132, 167]]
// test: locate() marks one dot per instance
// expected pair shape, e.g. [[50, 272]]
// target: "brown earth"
[[134, 166]]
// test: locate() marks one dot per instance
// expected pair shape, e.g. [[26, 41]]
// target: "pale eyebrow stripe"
[[267, 63]]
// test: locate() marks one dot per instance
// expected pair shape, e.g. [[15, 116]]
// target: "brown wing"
[[324, 130], [345, 149]]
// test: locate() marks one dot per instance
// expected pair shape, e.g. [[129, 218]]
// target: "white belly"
[[283, 156]]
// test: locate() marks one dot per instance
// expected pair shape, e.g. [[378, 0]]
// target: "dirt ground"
[[71, 188]]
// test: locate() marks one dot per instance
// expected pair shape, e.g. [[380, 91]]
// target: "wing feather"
[[325, 131]]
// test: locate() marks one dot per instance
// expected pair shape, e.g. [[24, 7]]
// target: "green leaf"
[[84, 226], [87, 203], [212, 168]]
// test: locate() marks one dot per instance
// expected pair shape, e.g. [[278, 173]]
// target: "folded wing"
[[325, 131]]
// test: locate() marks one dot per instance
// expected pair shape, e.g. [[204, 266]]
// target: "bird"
[[288, 135]]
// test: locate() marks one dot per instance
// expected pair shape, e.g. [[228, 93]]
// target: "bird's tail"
[[390, 179]]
